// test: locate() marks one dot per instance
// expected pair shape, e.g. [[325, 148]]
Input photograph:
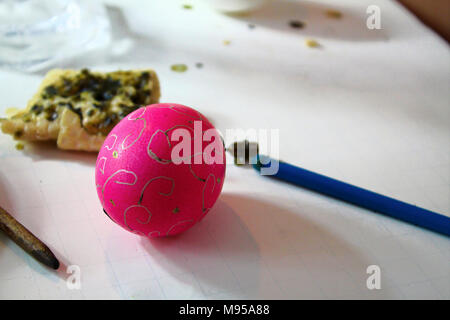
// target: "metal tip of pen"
[[243, 152]]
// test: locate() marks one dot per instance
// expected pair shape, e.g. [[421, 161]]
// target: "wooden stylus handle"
[[26, 240]]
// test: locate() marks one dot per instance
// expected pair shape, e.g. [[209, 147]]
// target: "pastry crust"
[[78, 108], [73, 137]]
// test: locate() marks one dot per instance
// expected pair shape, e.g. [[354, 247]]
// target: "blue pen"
[[358, 196]]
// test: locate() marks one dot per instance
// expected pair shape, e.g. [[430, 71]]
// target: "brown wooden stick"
[[26, 240]]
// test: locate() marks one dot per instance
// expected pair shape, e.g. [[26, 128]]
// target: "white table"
[[370, 107]]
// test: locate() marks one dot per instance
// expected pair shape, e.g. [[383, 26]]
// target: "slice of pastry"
[[78, 108]]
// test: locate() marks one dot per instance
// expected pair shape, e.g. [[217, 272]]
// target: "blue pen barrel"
[[360, 197]]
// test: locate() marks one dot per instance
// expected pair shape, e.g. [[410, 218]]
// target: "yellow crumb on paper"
[[180, 67], [242, 13], [311, 43], [335, 14], [226, 42], [19, 146]]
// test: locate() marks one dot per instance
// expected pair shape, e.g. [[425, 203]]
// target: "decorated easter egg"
[[160, 170]]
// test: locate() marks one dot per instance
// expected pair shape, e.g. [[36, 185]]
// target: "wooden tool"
[[26, 240]]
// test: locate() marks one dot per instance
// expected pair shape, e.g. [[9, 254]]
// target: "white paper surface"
[[368, 107]]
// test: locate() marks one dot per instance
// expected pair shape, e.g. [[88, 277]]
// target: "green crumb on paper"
[[112, 202], [115, 154], [187, 6], [218, 180], [179, 67], [176, 210], [334, 14], [20, 146]]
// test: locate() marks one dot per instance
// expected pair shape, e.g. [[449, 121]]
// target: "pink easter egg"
[[160, 170]]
